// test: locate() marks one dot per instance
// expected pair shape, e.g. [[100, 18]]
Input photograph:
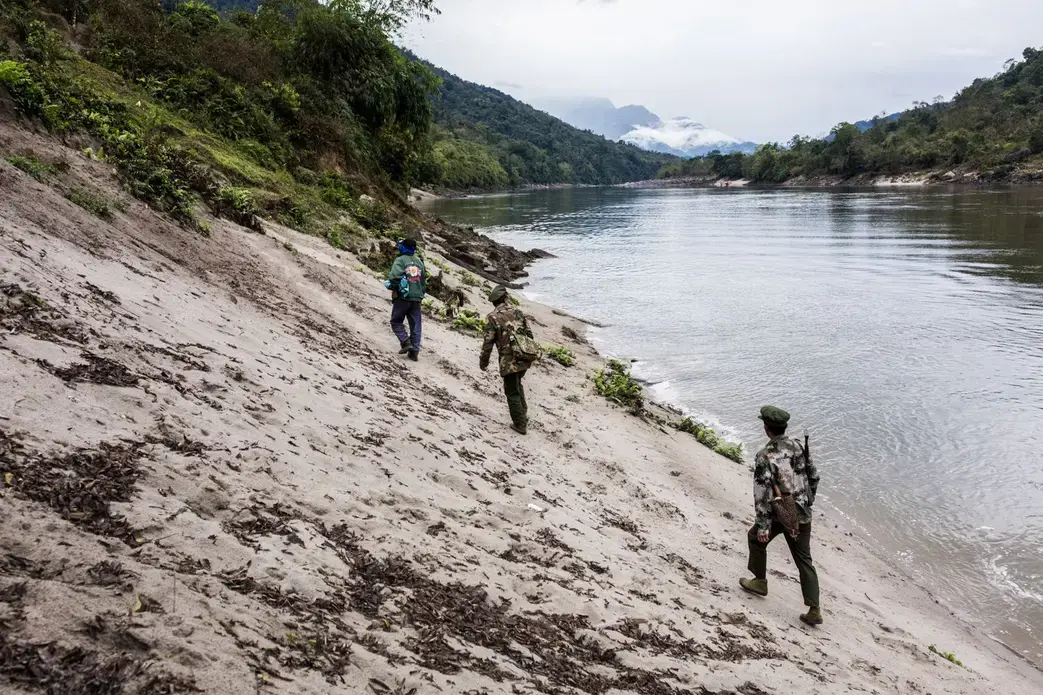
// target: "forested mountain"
[[991, 130], [488, 139]]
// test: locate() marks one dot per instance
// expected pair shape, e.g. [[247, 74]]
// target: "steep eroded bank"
[[223, 478]]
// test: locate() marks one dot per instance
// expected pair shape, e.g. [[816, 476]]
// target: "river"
[[903, 327]]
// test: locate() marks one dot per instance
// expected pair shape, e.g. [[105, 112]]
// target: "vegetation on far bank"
[[993, 128]]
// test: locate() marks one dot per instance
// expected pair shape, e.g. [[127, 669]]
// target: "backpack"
[[526, 349]]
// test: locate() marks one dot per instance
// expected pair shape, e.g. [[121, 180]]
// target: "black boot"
[[414, 355], [403, 347]]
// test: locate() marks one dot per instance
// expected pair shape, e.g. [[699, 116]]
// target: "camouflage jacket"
[[498, 328], [781, 462]]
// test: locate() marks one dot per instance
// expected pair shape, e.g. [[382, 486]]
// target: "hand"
[[763, 536]]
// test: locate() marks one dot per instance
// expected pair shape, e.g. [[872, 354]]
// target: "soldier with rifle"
[[785, 482]]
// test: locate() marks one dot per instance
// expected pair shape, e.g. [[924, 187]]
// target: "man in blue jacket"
[[407, 281]]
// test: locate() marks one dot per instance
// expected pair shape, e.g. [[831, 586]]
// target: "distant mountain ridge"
[[685, 137], [486, 139], [682, 136], [598, 115]]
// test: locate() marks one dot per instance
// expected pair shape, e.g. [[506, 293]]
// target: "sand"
[[223, 477]]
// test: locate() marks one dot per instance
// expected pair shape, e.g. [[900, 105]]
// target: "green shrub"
[[949, 656], [238, 205], [28, 96], [515, 302], [615, 383], [561, 355], [469, 320], [91, 202], [710, 439], [469, 279], [429, 308], [32, 166], [333, 237]]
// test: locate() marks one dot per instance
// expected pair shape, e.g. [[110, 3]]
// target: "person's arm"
[[488, 342], [398, 269], [763, 492]]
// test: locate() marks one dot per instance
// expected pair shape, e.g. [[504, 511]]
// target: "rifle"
[[807, 447]]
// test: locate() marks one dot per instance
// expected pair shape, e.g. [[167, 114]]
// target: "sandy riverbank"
[[221, 474]]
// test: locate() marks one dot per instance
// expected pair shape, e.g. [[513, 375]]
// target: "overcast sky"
[[757, 69]]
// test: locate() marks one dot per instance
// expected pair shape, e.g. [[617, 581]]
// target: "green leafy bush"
[[32, 166], [469, 320], [948, 656], [93, 203], [615, 383], [561, 355], [430, 308], [710, 439], [469, 279], [238, 205]]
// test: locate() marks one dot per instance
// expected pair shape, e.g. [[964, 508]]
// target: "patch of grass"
[[430, 308], [710, 439], [40, 171], [334, 238], [561, 355], [444, 267], [238, 205], [91, 202], [948, 656], [469, 279], [204, 227], [615, 383], [469, 320]]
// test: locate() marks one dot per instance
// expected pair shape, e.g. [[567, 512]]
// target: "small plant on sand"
[[515, 302], [32, 166], [468, 279], [291, 248], [615, 383], [573, 398], [948, 656], [561, 355], [238, 205], [710, 439], [204, 227], [333, 237], [469, 320], [429, 308], [441, 265], [91, 202]]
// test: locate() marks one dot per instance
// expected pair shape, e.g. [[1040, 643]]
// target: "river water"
[[904, 328]]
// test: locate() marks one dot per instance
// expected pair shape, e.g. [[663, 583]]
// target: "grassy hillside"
[[994, 128], [294, 112], [485, 138]]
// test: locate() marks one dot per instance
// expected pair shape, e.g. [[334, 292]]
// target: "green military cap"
[[498, 293], [774, 416]]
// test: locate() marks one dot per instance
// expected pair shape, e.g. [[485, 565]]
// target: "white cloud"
[[760, 69]]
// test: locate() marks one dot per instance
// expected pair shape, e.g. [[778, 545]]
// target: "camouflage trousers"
[[800, 549], [512, 386]]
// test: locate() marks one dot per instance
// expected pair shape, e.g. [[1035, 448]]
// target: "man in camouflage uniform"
[[499, 325], [782, 463]]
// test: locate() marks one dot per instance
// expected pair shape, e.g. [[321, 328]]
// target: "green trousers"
[[512, 386], [800, 549]]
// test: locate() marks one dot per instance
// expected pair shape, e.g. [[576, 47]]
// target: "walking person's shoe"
[[403, 347], [812, 617], [413, 355], [520, 430], [758, 587]]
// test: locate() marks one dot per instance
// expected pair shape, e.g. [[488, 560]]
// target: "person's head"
[[407, 246], [776, 420], [498, 296]]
